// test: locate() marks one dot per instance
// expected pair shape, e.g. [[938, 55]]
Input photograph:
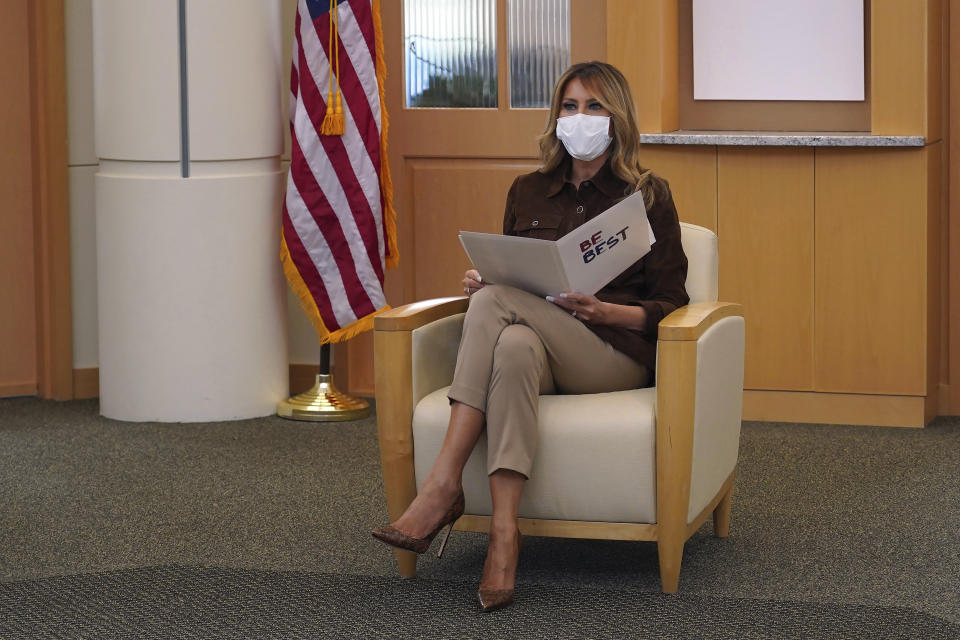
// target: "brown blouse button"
[[579, 208], [534, 223]]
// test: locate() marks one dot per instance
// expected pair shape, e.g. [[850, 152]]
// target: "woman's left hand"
[[581, 306]]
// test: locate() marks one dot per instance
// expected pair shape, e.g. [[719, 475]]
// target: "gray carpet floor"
[[260, 528]]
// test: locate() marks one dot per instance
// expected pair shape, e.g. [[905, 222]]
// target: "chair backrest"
[[700, 246]]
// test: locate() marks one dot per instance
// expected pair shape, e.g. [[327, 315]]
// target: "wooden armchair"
[[647, 464]]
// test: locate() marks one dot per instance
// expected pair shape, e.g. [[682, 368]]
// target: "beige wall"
[[82, 167], [303, 348]]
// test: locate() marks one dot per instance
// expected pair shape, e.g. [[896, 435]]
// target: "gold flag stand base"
[[323, 403]]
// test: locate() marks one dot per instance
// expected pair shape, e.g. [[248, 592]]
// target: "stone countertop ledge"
[[781, 139]]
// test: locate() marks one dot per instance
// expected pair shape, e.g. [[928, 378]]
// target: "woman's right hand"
[[472, 282]]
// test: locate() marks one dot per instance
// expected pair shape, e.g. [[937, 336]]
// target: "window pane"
[[451, 53], [539, 37]]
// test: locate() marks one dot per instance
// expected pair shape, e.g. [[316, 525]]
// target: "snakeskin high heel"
[[396, 538], [493, 599]]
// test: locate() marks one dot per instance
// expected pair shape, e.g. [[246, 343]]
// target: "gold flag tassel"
[[333, 124]]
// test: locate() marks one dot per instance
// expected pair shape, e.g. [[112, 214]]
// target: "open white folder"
[[584, 260]]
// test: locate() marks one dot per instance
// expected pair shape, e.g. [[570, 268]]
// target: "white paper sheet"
[[584, 260]]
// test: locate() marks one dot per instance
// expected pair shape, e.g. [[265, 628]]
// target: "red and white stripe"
[[333, 213]]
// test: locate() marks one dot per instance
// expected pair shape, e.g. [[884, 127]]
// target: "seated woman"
[[516, 345]]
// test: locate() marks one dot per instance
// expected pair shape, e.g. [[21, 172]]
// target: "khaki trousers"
[[516, 346]]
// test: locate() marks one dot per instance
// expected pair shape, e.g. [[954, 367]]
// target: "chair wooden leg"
[[671, 555], [406, 563], [394, 431], [721, 515]]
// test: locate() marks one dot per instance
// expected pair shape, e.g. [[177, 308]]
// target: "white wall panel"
[[192, 314], [234, 71], [136, 79], [78, 17], [83, 266], [289, 20], [778, 50], [304, 348], [162, 129]]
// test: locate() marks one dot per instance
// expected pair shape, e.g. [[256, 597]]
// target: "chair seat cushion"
[[590, 461]]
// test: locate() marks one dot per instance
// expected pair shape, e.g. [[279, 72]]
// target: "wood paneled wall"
[[51, 200], [905, 75], [836, 254], [712, 188], [791, 221], [35, 326], [642, 43], [766, 233], [18, 320], [952, 396], [692, 174], [905, 81], [871, 271]]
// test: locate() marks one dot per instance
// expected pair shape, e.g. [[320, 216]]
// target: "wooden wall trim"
[[936, 229], [86, 383], [303, 377], [12, 390], [943, 239], [48, 97], [768, 406], [952, 170], [642, 43], [902, 53], [835, 408], [937, 15]]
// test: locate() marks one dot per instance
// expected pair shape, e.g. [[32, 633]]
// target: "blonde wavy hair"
[[605, 83]]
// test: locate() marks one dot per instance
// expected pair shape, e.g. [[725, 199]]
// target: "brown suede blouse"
[[547, 206]]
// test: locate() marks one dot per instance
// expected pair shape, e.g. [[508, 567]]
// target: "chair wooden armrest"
[[416, 314], [677, 377], [392, 345], [691, 321]]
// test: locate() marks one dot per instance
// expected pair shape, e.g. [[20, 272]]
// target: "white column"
[[191, 304]]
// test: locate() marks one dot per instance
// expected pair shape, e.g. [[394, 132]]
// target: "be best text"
[[596, 244]]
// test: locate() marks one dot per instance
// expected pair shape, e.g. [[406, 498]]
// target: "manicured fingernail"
[[479, 278], [551, 299], [563, 295]]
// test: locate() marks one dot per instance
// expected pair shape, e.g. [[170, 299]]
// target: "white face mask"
[[584, 136]]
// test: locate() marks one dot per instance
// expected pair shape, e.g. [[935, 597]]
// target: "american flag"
[[339, 227]]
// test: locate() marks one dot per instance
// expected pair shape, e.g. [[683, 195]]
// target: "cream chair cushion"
[[717, 410], [595, 460], [700, 247], [434, 350]]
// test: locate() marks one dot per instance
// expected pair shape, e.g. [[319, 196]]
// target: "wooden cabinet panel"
[[450, 196], [871, 271], [692, 173], [898, 73], [765, 217]]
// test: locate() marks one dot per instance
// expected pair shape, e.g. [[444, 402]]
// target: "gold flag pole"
[[324, 402]]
